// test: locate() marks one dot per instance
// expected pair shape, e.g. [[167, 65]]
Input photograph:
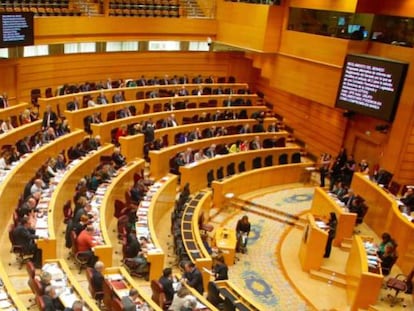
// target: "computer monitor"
[[353, 28]]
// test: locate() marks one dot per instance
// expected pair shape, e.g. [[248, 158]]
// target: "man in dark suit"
[[101, 99], [49, 118], [211, 152], [193, 277], [25, 236], [97, 277], [23, 146], [118, 158], [118, 97], [51, 300], [4, 101], [129, 303], [142, 81], [184, 79], [73, 105], [167, 283]]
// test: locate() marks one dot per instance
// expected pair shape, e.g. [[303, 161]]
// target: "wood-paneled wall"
[[337, 5], [387, 7], [52, 71]]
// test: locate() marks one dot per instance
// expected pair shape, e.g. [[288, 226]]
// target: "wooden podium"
[[226, 241], [312, 245]]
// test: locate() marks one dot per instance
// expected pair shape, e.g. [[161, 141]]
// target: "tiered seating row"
[[144, 8], [40, 8]]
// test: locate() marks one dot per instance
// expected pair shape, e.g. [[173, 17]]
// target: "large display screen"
[[371, 85], [16, 29]]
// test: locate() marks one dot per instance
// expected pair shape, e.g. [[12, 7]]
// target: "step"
[[332, 279], [330, 272], [345, 246]]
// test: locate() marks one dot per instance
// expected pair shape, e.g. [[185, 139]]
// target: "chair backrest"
[[268, 160], [158, 295], [31, 270], [213, 295], [210, 177], [40, 303], [220, 173], [296, 157], [67, 211], [231, 170], [280, 142], [242, 167], [118, 207], [116, 304], [89, 275], [257, 162], [73, 238], [283, 158]]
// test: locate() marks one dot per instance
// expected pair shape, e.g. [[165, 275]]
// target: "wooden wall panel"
[[321, 127], [8, 78], [337, 5], [387, 7], [52, 71], [86, 29]]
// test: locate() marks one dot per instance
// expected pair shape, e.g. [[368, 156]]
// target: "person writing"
[[242, 232]]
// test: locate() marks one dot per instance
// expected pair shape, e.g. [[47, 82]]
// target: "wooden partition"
[[312, 245], [190, 232], [362, 286], [66, 189], [238, 297], [144, 106], [384, 216], [13, 136], [196, 173], [14, 110], [115, 191], [160, 159], [125, 282], [257, 179], [104, 129], [323, 204], [14, 184], [73, 283], [161, 202]]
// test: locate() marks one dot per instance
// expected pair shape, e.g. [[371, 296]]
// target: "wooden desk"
[[104, 129], [14, 298], [363, 287], [228, 289], [13, 136], [115, 191], [323, 204], [121, 286], [78, 290], [226, 240], [144, 106], [27, 168], [160, 159], [14, 110], [190, 232], [161, 202], [196, 173], [312, 245], [257, 179], [384, 216], [130, 92], [66, 189]]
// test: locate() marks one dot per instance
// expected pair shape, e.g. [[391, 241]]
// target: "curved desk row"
[[257, 179], [362, 287], [77, 292], [190, 233], [130, 93], [234, 298], [196, 173], [323, 204], [13, 136], [160, 199], [384, 216], [160, 159], [118, 282], [104, 129], [145, 106], [132, 146], [64, 192]]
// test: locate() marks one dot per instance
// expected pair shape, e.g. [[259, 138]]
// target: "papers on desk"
[[3, 295], [321, 224], [145, 204], [200, 306], [142, 231], [67, 298], [176, 286], [4, 304], [41, 223], [42, 233], [114, 277]]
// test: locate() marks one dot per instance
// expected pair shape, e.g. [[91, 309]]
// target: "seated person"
[[118, 158], [135, 252], [98, 278], [189, 304], [179, 298], [193, 277], [130, 302], [51, 300], [76, 306], [220, 269], [24, 235], [86, 242], [387, 253], [408, 200], [45, 280], [167, 281], [356, 207]]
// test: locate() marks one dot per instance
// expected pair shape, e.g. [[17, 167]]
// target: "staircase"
[[329, 276], [268, 212], [191, 8]]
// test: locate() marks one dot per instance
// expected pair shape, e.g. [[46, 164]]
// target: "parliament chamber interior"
[[207, 155]]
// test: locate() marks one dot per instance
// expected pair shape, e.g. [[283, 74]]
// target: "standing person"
[[349, 169], [331, 234], [336, 173], [220, 269], [324, 164], [242, 232]]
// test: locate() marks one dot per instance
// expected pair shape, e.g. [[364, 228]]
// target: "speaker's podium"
[[226, 241], [312, 245]]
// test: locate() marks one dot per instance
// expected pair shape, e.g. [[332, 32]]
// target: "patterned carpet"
[[259, 272]]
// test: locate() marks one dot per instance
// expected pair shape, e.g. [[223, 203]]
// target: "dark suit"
[[195, 280], [25, 237], [49, 119], [4, 103], [52, 304], [71, 106], [128, 304], [118, 159], [97, 280], [167, 285], [23, 148]]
